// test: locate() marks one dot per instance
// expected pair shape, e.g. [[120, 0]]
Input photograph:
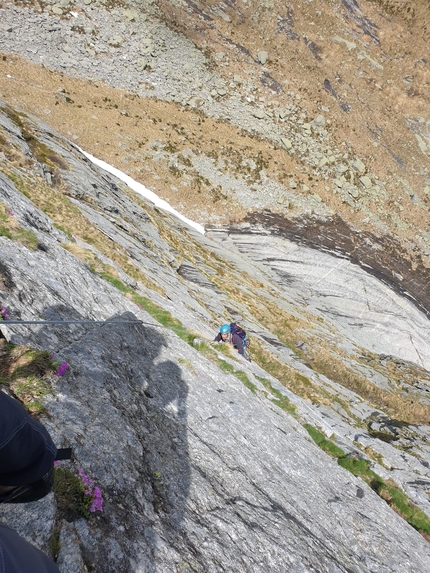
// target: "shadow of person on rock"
[[121, 406]]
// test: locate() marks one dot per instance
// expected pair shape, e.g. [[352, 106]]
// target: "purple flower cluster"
[[93, 491], [61, 369], [10, 213], [4, 313]]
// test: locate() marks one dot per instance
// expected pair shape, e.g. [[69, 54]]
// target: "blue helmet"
[[225, 329]]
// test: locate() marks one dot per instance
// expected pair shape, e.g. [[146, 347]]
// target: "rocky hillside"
[[296, 133], [202, 459], [299, 107]]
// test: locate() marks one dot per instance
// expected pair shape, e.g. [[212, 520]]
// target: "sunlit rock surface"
[[197, 470], [364, 310]]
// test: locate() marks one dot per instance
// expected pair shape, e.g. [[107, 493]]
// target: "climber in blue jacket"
[[227, 333]]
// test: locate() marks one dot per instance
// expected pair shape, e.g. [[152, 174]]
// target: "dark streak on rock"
[[382, 257], [396, 158], [273, 341], [330, 89], [356, 15], [377, 134], [197, 11], [283, 27], [240, 48], [314, 48], [345, 106], [190, 273], [270, 83]]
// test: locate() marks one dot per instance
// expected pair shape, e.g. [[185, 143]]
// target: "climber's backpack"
[[234, 329]]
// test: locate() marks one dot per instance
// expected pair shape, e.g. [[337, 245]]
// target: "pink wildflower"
[[97, 504], [94, 491], [61, 369]]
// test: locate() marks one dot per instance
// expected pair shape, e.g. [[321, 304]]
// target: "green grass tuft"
[[10, 229], [69, 492], [328, 446], [280, 400], [26, 371], [386, 489]]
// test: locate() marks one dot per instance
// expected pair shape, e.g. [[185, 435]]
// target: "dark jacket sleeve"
[[19, 556], [27, 451], [238, 343], [218, 337]]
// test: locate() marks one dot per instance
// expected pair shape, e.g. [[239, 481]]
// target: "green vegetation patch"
[[326, 445], [162, 316], [280, 400], [40, 151], [26, 373], [69, 491], [10, 228], [166, 319], [386, 489], [230, 369]]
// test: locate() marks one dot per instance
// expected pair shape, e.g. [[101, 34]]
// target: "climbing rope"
[[18, 322]]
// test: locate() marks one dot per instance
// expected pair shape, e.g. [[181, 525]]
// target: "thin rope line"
[[18, 322]]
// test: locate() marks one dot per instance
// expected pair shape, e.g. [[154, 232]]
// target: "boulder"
[[358, 165], [259, 113], [262, 57], [366, 182], [286, 143], [319, 121]]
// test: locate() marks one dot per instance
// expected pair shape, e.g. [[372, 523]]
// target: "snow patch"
[[142, 190]]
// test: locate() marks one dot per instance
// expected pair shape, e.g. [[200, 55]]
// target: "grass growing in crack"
[[162, 316], [166, 319], [69, 492], [68, 218], [188, 364], [396, 406], [280, 400], [327, 445], [65, 231], [209, 352], [229, 368], [10, 228], [291, 379], [386, 489], [54, 544], [41, 151], [25, 372]]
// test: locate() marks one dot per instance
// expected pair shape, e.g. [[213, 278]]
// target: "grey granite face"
[[362, 309], [198, 472]]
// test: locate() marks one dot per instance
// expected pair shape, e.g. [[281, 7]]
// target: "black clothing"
[[235, 340], [19, 556], [27, 452]]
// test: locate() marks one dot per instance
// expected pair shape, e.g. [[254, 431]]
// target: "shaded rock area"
[[198, 469]]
